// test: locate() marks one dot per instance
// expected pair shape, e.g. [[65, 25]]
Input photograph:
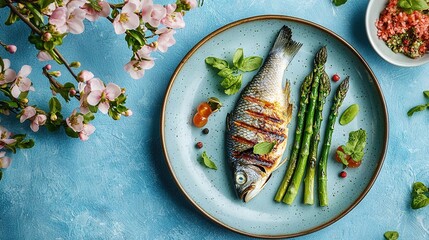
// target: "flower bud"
[[55, 73], [48, 67], [116, 116], [72, 92], [46, 37], [25, 100], [75, 64], [11, 48], [53, 117], [153, 44], [123, 90], [128, 113]]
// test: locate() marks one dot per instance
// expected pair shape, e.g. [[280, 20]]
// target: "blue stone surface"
[[117, 185]]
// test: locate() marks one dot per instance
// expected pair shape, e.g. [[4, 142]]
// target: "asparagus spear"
[[292, 190], [324, 90], [323, 176], [305, 90]]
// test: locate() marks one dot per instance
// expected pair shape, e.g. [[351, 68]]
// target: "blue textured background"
[[117, 185]]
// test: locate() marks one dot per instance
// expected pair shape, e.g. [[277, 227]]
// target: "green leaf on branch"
[[135, 39], [263, 148], [3, 3], [27, 143], [95, 5], [88, 117], [12, 18], [37, 16], [391, 235], [70, 132], [54, 105], [339, 2], [426, 94], [93, 109], [251, 64], [44, 3]]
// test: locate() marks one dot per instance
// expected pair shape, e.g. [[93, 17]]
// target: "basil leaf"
[[263, 147], [419, 201], [415, 109], [237, 60], [426, 94], [233, 89], [225, 72], [230, 80], [251, 64], [391, 235], [208, 162], [339, 2], [404, 4], [216, 62], [419, 5]]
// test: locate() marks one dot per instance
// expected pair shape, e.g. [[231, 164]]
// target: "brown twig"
[[39, 32]]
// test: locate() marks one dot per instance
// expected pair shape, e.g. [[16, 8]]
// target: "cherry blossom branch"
[[39, 32]]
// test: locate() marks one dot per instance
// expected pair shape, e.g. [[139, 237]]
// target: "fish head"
[[249, 181]]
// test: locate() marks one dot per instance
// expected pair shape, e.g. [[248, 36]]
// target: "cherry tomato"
[[351, 163], [343, 174], [204, 109], [335, 77], [199, 121]]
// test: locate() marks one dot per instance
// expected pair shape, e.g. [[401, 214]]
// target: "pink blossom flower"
[[165, 39], [88, 129], [173, 19], [22, 82], [153, 13], [92, 14], [49, 9], [7, 75], [127, 19], [101, 94], [136, 68], [38, 120], [75, 121], [11, 48], [68, 20], [4, 161], [84, 78], [191, 3], [44, 56], [5, 137], [27, 113]]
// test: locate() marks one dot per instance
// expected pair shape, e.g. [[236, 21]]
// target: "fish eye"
[[240, 178]]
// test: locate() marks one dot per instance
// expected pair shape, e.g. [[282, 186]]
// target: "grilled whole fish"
[[262, 114]]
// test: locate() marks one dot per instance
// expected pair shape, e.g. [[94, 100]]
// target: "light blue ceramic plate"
[[211, 191]]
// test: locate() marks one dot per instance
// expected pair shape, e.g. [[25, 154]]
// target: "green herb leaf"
[[237, 60], [342, 156], [419, 201], [230, 80], [251, 64], [263, 147], [225, 72], [234, 89], [391, 235], [208, 162], [339, 2], [356, 144], [415, 109], [426, 94], [410, 5], [419, 188], [216, 62]]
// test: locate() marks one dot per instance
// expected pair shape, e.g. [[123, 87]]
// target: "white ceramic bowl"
[[372, 14]]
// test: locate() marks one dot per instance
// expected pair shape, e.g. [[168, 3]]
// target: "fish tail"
[[285, 45]]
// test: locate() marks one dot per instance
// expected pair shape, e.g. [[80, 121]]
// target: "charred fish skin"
[[262, 114]]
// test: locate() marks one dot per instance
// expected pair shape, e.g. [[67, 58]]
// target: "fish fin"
[[289, 105], [284, 43]]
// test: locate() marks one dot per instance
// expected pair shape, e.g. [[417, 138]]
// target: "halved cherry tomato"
[[199, 121], [351, 163], [204, 109]]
